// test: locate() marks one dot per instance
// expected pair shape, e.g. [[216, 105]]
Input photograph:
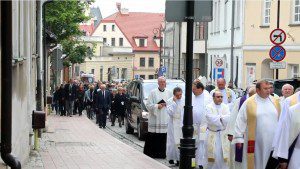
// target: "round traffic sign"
[[219, 62], [277, 36], [277, 53]]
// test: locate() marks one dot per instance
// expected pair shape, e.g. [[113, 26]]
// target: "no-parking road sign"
[[278, 36], [277, 53]]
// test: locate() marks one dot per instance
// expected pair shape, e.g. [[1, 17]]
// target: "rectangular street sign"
[[176, 10], [277, 65]]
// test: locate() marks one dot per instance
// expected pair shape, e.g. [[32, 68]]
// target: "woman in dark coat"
[[62, 100], [80, 99], [113, 112], [120, 105]]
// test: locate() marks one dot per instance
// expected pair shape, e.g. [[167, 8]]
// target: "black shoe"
[[104, 127], [112, 124], [200, 167], [100, 126], [177, 163], [171, 162]]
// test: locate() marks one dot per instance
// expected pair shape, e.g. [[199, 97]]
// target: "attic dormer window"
[[141, 42]]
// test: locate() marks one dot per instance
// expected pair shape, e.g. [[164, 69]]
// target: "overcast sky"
[[108, 7]]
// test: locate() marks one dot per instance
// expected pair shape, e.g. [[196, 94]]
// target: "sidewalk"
[[76, 142]]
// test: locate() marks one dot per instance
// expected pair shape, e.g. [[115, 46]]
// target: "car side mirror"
[[134, 99]]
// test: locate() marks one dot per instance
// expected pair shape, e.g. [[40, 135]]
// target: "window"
[[142, 42], [120, 41], [92, 71], [225, 15], [294, 70], [238, 13], [113, 42], [296, 17], [142, 76], [142, 62], [151, 62], [101, 74], [199, 31], [77, 70], [104, 28], [151, 76], [124, 73], [266, 12], [104, 40], [113, 28]]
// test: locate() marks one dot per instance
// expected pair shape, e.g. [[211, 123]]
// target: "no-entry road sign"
[[277, 36], [277, 53]]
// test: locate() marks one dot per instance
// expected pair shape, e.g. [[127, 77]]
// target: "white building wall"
[[219, 36], [108, 34], [24, 76]]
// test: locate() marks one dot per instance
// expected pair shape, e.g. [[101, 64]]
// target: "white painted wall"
[[24, 76], [219, 35], [108, 34]]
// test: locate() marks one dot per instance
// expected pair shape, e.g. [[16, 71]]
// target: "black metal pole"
[[278, 19], [6, 85], [187, 143]]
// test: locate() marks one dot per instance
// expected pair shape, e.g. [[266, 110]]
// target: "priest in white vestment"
[[200, 99], [156, 138], [288, 102], [255, 126], [217, 117], [229, 96], [175, 111], [287, 90], [231, 125], [288, 135]]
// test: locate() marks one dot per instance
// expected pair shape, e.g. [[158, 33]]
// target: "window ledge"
[[264, 26], [294, 24], [16, 61]]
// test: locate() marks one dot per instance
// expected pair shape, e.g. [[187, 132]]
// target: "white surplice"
[[288, 128], [175, 111], [266, 124], [283, 116], [199, 103], [217, 141], [158, 118]]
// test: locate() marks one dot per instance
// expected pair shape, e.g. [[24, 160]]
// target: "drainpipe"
[[39, 61], [6, 86], [232, 40]]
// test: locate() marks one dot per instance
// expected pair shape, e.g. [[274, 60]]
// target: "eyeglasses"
[[219, 96]]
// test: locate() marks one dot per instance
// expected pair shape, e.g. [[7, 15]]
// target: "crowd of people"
[[99, 100], [256, 131]]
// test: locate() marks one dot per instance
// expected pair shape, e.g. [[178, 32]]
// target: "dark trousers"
[[272, 162], [102, 118]]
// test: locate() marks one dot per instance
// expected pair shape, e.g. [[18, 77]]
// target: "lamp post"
[[157, 34]]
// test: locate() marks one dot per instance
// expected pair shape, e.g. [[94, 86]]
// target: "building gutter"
[[232, 40], [6, 86]]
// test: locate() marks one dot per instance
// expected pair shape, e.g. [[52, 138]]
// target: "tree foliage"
[[63, 19]]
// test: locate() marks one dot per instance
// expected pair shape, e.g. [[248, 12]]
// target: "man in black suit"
[[70, 93], [103, 105]]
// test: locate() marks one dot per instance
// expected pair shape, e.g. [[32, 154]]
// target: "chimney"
[[118, 4]]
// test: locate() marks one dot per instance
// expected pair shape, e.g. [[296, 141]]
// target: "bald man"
[[229, 96]]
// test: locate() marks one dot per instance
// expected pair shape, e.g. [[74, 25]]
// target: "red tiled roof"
[[137, 25]]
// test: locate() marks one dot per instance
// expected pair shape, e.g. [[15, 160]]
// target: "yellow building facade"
[[260, 19]]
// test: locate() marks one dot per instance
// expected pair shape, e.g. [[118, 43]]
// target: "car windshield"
[[148, 87]]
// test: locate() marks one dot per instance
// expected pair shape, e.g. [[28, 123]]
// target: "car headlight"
[[145, 115]]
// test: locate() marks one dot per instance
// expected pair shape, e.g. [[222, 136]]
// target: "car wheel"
[[141, 133], [129, 129]]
